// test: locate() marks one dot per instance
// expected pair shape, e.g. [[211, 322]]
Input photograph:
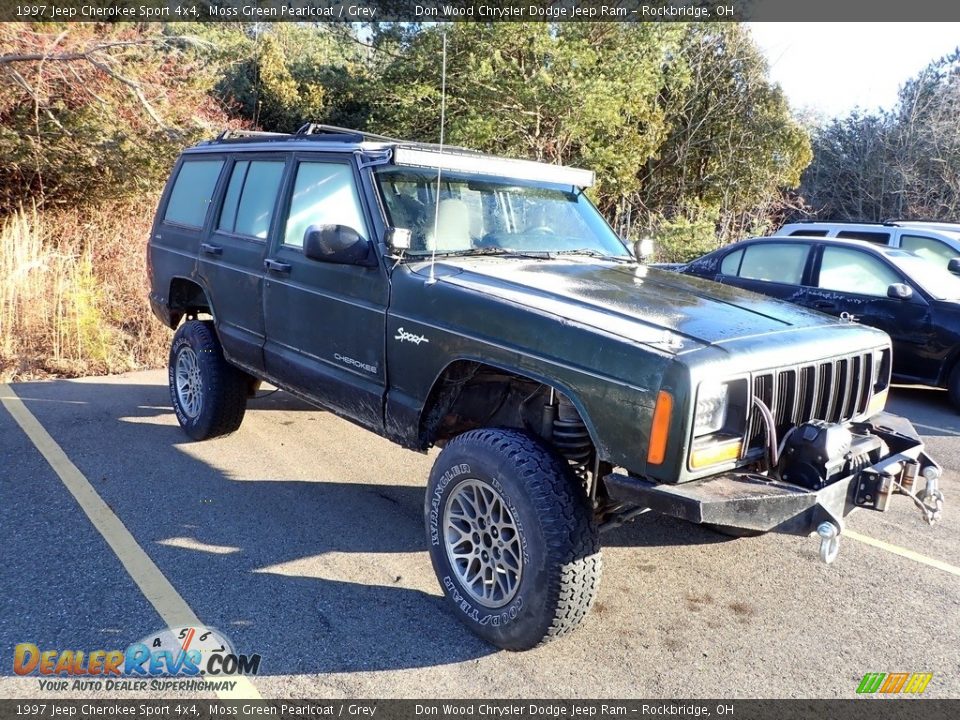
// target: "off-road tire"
[[223, 387], [953, 386], [558, 538]]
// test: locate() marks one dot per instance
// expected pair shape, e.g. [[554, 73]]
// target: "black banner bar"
[[475, 10], [874, 708]]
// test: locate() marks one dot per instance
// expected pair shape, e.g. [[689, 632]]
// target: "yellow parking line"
[[902, 552], [144, 572]]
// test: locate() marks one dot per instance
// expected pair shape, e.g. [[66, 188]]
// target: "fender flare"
[[535, 377]]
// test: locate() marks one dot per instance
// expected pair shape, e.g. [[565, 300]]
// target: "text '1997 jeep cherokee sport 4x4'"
[[483, 305]]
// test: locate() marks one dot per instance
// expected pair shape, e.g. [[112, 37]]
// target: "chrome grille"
[[836, 390]]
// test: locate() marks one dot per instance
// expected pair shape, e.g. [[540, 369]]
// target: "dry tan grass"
[[73, 291]]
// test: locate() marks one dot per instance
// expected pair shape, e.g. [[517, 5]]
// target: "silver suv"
[[934, 241]]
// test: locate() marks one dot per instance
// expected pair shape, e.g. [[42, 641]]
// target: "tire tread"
[[225, 391], [566, 520]]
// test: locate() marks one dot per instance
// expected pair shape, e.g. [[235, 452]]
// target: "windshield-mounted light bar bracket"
[[489, 165]]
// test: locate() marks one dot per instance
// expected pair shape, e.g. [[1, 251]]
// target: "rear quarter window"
[[880, 238], [192, 192], [730, 265], [928, 248]]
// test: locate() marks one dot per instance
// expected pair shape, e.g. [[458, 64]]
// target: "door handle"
[[209, 249], [276, 266]]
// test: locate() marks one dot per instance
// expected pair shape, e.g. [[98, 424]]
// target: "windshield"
[[480, 214], [934, 278]]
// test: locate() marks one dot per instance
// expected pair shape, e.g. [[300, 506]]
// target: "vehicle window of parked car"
[[775, 262], [936, 280], [731, 263], [881, 238], [192, 192], [809, 233], [853, 271], [928, 248], [323, 194], [251, 195]]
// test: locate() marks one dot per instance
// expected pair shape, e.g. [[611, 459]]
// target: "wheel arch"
[[949, 367], [449, 384], [187, 297]]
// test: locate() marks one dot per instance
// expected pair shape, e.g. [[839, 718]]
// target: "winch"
[[818, 453]]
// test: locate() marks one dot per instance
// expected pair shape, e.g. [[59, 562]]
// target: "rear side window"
[[881, 238], [928, 248], [808, 233], [853, 271], [775, 262], [251, 196], [192, 192]]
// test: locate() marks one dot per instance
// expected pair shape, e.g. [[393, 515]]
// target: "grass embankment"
[[73, 292]]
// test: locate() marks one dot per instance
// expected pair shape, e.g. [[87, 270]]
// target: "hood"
[[677, 312]]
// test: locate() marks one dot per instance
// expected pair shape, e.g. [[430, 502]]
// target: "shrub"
[[73, 292]]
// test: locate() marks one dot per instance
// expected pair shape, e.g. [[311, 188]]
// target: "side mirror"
[[337, 244], [954, 265], [899, 291]]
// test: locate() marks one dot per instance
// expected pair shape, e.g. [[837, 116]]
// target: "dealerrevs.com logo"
[[186, 658], [894, 683]]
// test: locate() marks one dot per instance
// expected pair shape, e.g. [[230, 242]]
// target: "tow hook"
[[931, 499], [829, 541]]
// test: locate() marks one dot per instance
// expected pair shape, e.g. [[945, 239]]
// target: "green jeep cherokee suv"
[[440, 297]]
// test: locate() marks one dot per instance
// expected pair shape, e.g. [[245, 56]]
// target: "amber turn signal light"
[[657, 449]]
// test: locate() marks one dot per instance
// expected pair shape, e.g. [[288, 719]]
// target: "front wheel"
[[512, 538], [209, 394], [953, 386]]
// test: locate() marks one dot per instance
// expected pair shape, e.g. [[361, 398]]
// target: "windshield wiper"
[[498, 251], [590, 252]]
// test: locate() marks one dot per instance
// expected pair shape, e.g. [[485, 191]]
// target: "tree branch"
[[91, 56]]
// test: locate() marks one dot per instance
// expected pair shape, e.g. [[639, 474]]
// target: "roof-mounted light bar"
[[488, 165]]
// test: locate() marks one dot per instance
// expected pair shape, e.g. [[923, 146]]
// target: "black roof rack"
[[311, 129], [241, 135], [887, 223], [898, 221], [329, 133]]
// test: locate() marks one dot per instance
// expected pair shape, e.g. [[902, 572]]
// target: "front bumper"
[[759, 503]]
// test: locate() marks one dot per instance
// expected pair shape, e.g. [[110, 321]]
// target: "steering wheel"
[[546, 229]]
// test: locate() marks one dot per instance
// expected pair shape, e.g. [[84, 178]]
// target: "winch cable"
[[773, 452]]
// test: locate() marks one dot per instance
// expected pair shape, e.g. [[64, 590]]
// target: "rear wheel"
[[512, 538], [209, 394]]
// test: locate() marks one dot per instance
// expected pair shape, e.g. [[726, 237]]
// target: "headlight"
[[719, 422], [713, 401]]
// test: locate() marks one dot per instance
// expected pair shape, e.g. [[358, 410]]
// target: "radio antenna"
[[443, 118]]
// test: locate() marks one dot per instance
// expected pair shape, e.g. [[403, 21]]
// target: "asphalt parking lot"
[[301, 537]]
